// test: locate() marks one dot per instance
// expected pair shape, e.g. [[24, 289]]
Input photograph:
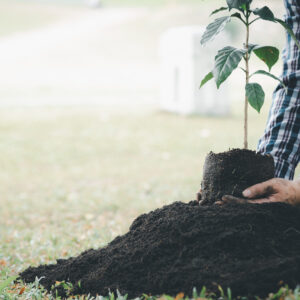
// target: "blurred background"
[[88, 138]]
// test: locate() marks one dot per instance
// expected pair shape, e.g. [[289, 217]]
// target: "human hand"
[[199, 196], [274, 190]]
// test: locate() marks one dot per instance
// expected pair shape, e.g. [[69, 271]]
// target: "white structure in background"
[[184, 63], [94, 3]]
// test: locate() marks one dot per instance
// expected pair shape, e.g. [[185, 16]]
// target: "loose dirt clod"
[[249, 248], [231, 172]]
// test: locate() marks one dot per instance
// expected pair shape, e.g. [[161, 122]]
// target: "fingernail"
[[246, 193]]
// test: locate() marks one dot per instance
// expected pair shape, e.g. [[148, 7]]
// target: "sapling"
[[229, 58]]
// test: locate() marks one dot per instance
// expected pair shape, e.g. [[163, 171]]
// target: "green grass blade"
[[7, 282]]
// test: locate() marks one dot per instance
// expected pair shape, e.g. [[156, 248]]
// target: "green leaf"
[[269, 55], [289, 30], [251, 47], [214, 29], [207, 78], [264, 13], [255, 95], [218, 10], [262, 72], [7, 282], [238, 15], [226, 61], [244, 7], [237, 3], [234, 3]]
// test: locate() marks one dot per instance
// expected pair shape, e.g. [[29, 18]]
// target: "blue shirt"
[[281, 138]]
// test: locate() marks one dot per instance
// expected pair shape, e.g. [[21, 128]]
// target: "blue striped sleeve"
[[281, 138]]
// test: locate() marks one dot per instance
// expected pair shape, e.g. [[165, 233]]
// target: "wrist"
[[296, 190]]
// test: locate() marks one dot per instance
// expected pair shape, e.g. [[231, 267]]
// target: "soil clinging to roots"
[[249, 248]]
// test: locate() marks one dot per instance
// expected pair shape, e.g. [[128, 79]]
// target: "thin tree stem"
[[247, 81], [254, 20]]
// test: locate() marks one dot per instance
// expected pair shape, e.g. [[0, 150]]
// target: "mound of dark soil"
[[250, 248]]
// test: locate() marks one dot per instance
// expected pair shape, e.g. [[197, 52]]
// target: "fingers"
[[258, 190], [265, 200], [199, 196], [261, 201], [231, 199]]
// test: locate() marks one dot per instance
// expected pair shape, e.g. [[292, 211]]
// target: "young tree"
[[229, 58]]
